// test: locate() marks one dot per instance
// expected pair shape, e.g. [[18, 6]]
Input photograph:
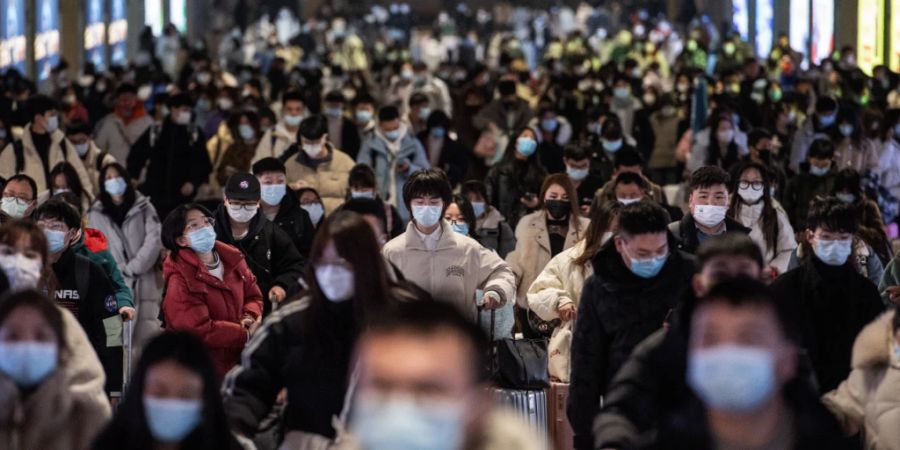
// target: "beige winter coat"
[[328, 178], [61, 150], [532, 251], [870, 397], [274, 142], [92, 166], [454, 270]]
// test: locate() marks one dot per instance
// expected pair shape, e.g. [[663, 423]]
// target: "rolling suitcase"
[[530, 405], [561, 435]]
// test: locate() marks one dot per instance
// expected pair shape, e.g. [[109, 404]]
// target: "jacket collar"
[[223, 226], [688, 230], [616, 274], [304, 159], [415, 242], [190, 266]]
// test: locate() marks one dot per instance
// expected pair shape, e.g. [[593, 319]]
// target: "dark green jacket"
[[97, 250]]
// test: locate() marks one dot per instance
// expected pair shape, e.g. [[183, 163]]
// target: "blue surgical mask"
[[479, 208], [28, 363], [392, 135], [363, 116], [427, 216], [827, 121], [460, 227], [52, 123], [846, 129], [202, 240], [526, 146], [647, 268], [292, 121], [732, 378], [315, 211], [82, 148], [438, 132], [401, 423], [246, 131], [115, 186], [833, 253], [56, 240], [363, 194], [334, 112], [612, 146], [622, 93], [550, 124], [172, 420], [271, 194], [423, 113], [577, 174], [819, 171]]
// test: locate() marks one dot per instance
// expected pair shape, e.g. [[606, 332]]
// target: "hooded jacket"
[[116, 137], [327, 176], [618, 310], [198, 302]]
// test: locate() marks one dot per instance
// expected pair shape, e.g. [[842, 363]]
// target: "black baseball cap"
[[242, 187]]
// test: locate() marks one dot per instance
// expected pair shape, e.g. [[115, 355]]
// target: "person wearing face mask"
[[708, 204], [35, 380], [391, 408], [556, 292], [173, 401], [19, 198], [541, 235], [444, 263], [847, 188], [555, 133], [720, 144], [210, 290], [230, 151], [816, 178], [42, 146], [281, 206], [853, 150], [629, 160], [121, 128], [514, 182], [607, 147], [866, 400], [64, 181], [822, 124], [306, 346], [508, 112], [638, 278], [888, 145], [311, 203], [418, 112], [173, 156], [268, 250], [364, 109], [276, 141], [394, 153], [577, 160], [761, 144], [92, 158], [754, 208], [827, 293], [743, 372], [341, 130], [629, 188], [222, 107], [443, 147], [667, 125], [624, 105], [315, 163], [83, 288], [131, 229], [492, 229], [361, 182]]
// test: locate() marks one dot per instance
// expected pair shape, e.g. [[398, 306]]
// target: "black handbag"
[[517, 363]]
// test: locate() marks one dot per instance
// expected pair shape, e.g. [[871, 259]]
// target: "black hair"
[[576, 153], [602, 215], [388, 113], [468, 214], [832, 215], [432, 182], [361, 175], [475, 187], [826, 103], [334, 97], [757, 134], [125, 88], [78, 127], [73, 181], [57, 209], [129, 429], [417, 98], [364, 99], [368, 207], [729, 244], [821, 148], [631, 178], [436, 318], [437, 118], [179, 100], [769, 214], [708, 176], [174, 224], [268, 164], [848, 180], [313, 127], [28, 180], [612, 130], [506, 88], [43, 305], [627, 157], [116, 212], [39, 104], [643, 218], [292, 96]]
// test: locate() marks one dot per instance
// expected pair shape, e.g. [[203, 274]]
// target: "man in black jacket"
[[281, 205], [83, 288], [174, 155], [709, 205], [831, 301], [638, 278], [270, 253]]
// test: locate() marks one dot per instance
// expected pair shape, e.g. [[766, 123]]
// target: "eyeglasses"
[[206, 222], [244, 206], [756, 185], [53, 225]]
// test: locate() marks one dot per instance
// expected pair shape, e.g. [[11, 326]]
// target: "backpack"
[[82, 275], [19, 151]]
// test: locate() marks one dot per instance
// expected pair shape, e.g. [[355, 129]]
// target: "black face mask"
[[558, 209]]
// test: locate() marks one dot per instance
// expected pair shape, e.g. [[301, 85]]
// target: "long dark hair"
[[714, 155], [564, 182], [128, 428], [73, 182], [602, 216], [116, 212], [769, 214], [468, 213], [354, 241]]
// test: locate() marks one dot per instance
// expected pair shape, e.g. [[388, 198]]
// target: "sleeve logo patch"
[[110, 303]]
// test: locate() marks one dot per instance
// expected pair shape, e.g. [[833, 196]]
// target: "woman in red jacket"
[[210, 291]]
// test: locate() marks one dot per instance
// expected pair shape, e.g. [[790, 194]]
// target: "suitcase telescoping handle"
[[127, 335]]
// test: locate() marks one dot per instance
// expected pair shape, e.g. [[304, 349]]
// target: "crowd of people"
[[308, 240]]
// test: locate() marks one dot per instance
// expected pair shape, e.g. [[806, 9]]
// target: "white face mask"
[[336, 282], [312, 150], [241, 215], [427, 216], [182, 118], [21, 272], [710, 215], [627, 201], [750, 195], [315, 211], [14, 207]]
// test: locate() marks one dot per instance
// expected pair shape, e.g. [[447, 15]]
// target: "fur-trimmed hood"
[[873, 344]]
